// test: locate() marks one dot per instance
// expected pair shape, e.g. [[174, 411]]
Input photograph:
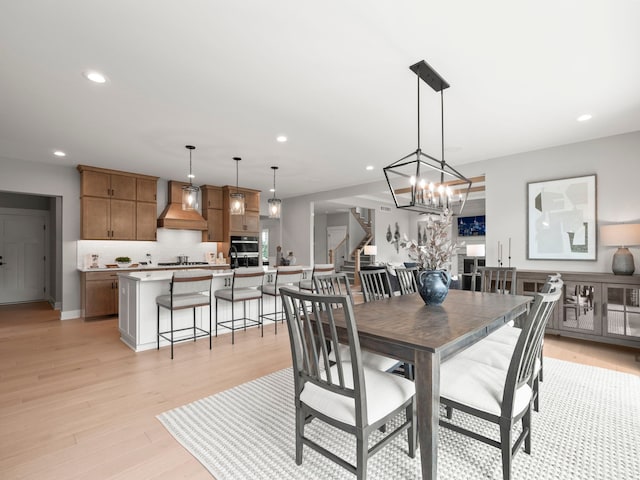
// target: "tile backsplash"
[[169, 245]]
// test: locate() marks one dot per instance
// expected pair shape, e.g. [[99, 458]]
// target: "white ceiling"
[[333, 76]]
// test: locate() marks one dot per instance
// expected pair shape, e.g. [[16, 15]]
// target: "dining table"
[[406, 328]]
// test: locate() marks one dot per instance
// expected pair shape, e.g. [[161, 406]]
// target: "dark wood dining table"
[[425, 335]]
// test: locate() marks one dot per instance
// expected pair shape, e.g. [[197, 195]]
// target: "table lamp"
[[371, 250], [621, 236]]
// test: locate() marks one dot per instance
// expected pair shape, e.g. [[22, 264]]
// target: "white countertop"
[[165, 275], [153, 267]]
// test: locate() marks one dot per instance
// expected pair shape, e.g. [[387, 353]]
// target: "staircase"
[[350, 263]]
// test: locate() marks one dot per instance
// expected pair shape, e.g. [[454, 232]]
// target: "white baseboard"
[[70, 314]]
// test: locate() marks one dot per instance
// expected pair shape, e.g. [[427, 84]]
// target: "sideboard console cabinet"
[[594, 306]]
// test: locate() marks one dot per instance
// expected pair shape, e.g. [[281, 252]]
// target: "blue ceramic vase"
[[434, 286]]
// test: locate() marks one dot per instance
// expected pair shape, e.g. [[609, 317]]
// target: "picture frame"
[[561, 219]]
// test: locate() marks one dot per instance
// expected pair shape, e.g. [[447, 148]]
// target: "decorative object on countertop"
[[190, 192], [275, 204], [410, 188], [621, 236], [237, 198], [123, 261], [434, 257]]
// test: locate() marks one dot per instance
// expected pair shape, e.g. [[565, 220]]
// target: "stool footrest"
[[167, 334], [250, 323]]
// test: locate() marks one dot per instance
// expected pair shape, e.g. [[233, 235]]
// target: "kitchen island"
[[137, 305]]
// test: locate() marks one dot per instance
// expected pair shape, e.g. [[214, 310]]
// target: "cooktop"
[[173, 264]]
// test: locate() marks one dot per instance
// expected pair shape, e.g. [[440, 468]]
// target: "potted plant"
[[123, 261], [433, 257]]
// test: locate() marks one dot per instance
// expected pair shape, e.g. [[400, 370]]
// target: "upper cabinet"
[[213, 212], [117, 205], [242, 224]]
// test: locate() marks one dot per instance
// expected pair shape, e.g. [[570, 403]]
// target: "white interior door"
[[22, 258]]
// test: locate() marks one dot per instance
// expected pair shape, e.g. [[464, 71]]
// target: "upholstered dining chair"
[[407, 278], [338, 284], [186, 290], [495, 279], [347, 395], [375, 284], [498, 395]]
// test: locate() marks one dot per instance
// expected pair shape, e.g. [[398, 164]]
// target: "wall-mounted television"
[[471, 226]]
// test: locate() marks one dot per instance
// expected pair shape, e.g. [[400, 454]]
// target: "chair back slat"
[[497, 279], [527, 349], [375, 285], [313, 332], [333, 284], [407, 279], [184, 283], [248, 277]]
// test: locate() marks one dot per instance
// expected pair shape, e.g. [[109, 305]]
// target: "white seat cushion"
[[369, 359], [239, 294], [183, 301], [506, 335], [306, 285], [385, 392], [270, 289], [479, 386], [494, 354]]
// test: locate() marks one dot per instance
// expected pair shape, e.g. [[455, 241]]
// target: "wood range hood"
[[174, 217]]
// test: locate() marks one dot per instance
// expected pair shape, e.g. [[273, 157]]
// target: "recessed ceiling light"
[[59, 153], [584, 118], [281, 138], [94, 76], [370, 167], [272, 190]]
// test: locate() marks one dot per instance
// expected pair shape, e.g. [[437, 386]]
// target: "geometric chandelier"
[[420, 182]]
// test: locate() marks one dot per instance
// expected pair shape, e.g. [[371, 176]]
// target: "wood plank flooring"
[[76, 403]]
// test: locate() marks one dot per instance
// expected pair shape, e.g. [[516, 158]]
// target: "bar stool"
[[245, 286], [318, 269], [285, 277], [187, 290]]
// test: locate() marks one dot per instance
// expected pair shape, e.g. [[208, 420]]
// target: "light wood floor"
[[76, 403]]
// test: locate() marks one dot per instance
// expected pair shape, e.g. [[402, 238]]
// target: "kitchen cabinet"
[[594, 306], [99, 294], [249, 223], [213, 212], [117, 205]]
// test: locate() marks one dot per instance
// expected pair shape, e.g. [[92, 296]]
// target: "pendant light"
[[275, 204], [190, 192], [408, 177], [237, 198]]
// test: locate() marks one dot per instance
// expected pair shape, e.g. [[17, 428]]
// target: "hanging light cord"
[[190, 173], [442, 131], [418, 78], [274, 181]]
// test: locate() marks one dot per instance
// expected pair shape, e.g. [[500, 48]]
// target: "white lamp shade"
[[370, 250], [476, 250], [622, 235]]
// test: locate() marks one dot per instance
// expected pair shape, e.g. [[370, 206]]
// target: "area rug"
[[588, 427]]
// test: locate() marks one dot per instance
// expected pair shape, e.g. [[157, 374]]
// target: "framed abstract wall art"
[[561, 219]]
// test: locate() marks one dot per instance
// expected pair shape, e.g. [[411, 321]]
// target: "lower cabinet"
[[99, 294], [594, 306]]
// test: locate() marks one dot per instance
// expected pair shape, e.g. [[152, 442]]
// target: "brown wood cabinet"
[[117, 205], [249, 223], [213, 212], [99, 294]]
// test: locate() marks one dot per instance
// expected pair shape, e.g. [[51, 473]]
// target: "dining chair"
[[407, 278], [500, 396], [186, 290], [285, 276], [375, 284], [347, 395], [495, 279], [319, 269], [338, 284], [245, 286]]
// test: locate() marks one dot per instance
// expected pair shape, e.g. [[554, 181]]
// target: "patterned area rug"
[[588, 428]]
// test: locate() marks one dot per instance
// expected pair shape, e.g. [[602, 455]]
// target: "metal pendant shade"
[[421, 182], [236, 203], [275, 204], [190, 192]]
